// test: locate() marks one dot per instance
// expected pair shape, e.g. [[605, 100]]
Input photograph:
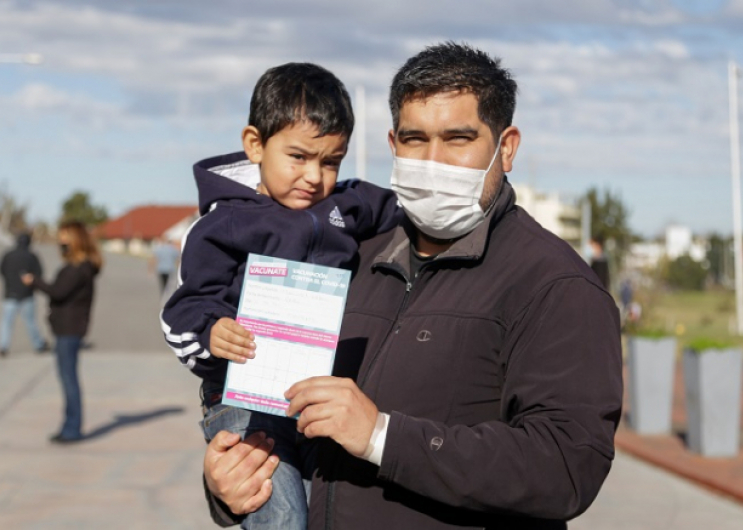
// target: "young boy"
[[283, 201]]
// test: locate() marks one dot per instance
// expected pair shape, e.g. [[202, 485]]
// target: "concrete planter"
[[713, 385], [650, 363]]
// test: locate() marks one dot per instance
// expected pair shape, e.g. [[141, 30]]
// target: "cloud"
[[608, 87], [39, 98], [665, 17]]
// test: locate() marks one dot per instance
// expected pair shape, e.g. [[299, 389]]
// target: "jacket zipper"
[[331, 486], [395, 328]]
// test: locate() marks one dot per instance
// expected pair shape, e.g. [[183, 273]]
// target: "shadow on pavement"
[[124, 420]]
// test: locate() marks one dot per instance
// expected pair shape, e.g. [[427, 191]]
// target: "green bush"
[[650, 333], [685, 273], [700, 344]]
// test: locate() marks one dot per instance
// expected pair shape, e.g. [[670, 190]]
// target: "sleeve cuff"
[[375, 449]]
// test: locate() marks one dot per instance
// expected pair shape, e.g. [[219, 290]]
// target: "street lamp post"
[[735, 177]]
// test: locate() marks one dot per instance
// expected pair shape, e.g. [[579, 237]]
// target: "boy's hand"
[[229, 340]]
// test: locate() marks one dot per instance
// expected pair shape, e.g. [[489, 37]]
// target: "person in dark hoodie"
[[70, 303], [19, 298], [280, 197]]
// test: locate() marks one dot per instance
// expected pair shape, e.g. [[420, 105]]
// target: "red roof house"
[[146, 222]]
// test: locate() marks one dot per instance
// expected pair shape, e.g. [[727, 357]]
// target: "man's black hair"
[[294, 92], [451, 67]]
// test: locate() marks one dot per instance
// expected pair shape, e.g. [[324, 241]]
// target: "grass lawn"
[[691, 314]]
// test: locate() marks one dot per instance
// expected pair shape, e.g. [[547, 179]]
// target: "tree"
[[609, 218], [78, 208], [12, 215], [685, 273]]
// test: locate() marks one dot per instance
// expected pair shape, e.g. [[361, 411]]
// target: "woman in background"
[[70, 301]]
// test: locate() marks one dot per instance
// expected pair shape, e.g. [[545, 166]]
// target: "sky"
[[629, 96]]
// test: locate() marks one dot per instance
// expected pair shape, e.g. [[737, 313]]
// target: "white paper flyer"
[[295, 311]]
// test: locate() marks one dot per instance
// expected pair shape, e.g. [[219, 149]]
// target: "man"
[[485, 355], [599, 263], [19, 298]]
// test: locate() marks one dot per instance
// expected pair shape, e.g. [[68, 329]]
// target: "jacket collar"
[[470, 247]]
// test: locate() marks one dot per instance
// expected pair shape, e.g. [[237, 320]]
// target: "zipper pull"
[[408, 286]]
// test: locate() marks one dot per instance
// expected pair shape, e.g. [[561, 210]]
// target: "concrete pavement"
[[141, 467], [637, 496]]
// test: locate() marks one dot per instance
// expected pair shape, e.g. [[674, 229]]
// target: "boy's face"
[[298, 167]]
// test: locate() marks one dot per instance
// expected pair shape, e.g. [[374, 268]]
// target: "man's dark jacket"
[[500, 366], [15, 263]]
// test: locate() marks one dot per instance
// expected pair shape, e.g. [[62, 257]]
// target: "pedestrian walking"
[[19, 298], [164, 261], [599, 262], [70, 302]]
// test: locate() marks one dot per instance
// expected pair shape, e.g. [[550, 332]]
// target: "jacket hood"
[[226, 177], [23, 241]]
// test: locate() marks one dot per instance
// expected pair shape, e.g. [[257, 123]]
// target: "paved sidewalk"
[[637, 496], [723, 475], [141, 469]]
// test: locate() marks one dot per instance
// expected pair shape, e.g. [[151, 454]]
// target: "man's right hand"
[[239, 472], [229, 340]]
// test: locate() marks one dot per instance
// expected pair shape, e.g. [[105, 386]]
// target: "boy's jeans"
[[11, 308], [287, 507]]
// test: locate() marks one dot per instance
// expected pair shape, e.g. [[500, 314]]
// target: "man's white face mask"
[[442, 201]]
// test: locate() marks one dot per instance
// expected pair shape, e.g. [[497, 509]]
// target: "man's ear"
[[391, 140], [510, 140], [253, 144]]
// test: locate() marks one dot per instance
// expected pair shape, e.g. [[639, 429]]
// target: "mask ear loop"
[[497, 150]]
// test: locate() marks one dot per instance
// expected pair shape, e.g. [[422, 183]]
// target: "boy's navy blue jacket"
[[236, 220]]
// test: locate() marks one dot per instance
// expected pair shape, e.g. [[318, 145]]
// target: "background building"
[[559, 216], [134, 231]]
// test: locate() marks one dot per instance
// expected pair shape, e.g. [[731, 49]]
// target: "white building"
[[645, 255], [679, 241], [556, 215]]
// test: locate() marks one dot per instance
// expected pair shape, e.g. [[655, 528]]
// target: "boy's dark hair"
[[450, 67], [294, 92]]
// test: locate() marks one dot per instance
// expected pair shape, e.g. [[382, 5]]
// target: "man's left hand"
[[336, 408]]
